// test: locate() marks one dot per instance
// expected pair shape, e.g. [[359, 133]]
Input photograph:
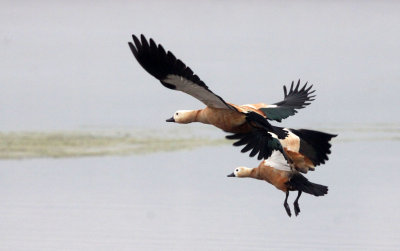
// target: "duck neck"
[[247, 172], [196, 116], [255, 173]]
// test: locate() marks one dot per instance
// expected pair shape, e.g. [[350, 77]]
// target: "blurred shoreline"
[[108, 142]]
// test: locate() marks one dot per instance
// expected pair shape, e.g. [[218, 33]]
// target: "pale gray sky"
[[65, 65]]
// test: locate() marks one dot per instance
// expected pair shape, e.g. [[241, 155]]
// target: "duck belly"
[[275, 177]]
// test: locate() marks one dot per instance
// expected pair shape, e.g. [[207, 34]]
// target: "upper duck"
[[249, 123]]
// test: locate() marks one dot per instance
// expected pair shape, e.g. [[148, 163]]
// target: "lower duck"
[[304, 149]]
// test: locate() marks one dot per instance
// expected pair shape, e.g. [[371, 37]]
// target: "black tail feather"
[[314, 144], [301, 183]]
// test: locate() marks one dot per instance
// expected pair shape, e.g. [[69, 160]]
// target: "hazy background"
[[67, 66]]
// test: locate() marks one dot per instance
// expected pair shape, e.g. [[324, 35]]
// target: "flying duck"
[[248, 123], [304, 150]]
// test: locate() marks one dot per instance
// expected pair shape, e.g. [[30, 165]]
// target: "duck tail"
[[301, 183], [314, 145]]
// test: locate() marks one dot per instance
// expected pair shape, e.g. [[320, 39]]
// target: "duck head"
[[241, 172], [183, 116]]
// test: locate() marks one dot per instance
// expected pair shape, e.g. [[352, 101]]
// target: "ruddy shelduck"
[[304, 150], [248, 122]]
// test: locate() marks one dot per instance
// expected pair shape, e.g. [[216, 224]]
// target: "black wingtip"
[[314, 144], [297, 86], [159, 62], [297, 97], [145, 44], [153, 45], [258, 141], [136, 41], [133, 49]]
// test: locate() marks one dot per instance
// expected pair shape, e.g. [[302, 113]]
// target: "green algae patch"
[[21, 145]]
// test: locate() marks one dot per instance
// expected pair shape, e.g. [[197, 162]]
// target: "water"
[[183, 200], [67, 67]]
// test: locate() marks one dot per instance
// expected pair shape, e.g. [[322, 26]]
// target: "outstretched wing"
[[315, 145], [263, 139], [295, 99], [172, 72]]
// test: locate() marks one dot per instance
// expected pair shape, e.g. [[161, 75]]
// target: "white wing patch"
[[251, 106], [277, 161], [199, 92], [274, 136]]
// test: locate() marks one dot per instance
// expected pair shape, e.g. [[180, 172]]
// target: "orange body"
[[291, 146], [300, 161], [228, 120], [276, 177], [235, 122]]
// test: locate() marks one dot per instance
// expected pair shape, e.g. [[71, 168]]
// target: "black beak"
[[170, 119], [231, 175]]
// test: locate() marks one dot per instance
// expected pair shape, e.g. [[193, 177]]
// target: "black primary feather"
[[259, 140], [160, 64], [314, 145], [259, 121], [296, 98]]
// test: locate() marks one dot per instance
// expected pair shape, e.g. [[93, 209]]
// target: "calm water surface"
[[183, 200]]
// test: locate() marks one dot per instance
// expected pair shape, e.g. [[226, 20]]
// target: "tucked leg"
[[296, 204], [286, 205]]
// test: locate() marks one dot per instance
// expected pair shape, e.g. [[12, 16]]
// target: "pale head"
[[182, 117], [241, 172]]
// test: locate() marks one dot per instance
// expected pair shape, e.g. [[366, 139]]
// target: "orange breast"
[[227, 120], [276, 177]]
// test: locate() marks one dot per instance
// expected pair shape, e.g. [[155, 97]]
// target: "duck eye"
[[176, 114], [237, 170]]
